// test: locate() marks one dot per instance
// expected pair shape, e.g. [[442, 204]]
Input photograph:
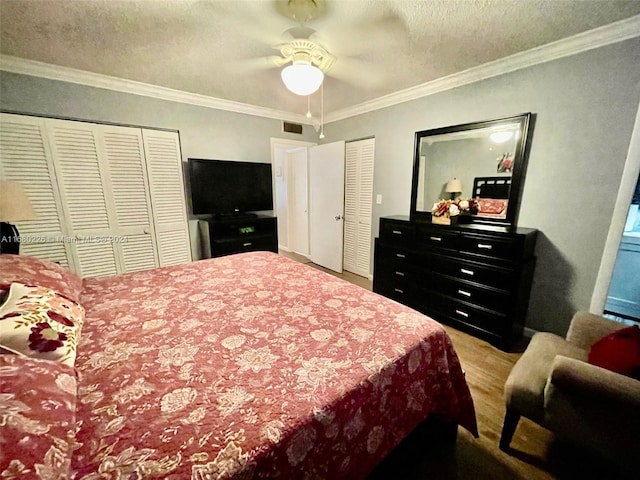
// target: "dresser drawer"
[[245, 244], [399, 272], [489, 275], [396, 255], [496, 300], [397, 231], [401, 291], [437, 237], [486, 320], [495, 247]]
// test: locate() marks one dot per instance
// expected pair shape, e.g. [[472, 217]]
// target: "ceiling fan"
[[308, 63], [340, 45], [309, 60]]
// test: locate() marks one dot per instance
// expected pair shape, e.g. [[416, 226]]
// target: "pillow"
[[618, 352], [34, 271], [40, 322], [37, 419], [492, 206]]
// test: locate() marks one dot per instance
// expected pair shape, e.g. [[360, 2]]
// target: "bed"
[[239, 367], [492, 196]]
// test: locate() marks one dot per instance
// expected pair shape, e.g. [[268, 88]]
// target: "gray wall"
[[585, 106]]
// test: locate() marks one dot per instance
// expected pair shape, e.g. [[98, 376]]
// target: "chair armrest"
[[582, 379], [586, 328]]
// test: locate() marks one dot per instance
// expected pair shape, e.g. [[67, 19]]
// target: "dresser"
[[471, 276]]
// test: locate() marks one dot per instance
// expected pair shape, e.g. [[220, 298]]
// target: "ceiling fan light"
[[302, 78]]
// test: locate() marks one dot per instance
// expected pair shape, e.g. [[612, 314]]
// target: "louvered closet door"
[[75, 153], [164, 169], [25, 157], [359, 158], [122, 154]]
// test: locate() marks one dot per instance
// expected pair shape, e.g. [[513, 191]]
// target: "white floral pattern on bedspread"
[[37, 418], [253, 366]]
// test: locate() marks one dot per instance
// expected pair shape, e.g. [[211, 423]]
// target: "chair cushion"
[[619, 352], [524, 388]]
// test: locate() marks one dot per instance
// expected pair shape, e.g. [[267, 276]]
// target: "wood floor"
[[535, 453]]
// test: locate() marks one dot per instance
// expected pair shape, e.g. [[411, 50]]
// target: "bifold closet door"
[[164, 169], [80, 175], [358, 206], [127, 194], [109, 199], [25, 157]]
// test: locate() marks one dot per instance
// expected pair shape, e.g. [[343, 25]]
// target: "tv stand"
[[228, 234], [235, 216]]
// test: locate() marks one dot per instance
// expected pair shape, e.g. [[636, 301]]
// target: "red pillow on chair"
[[619, 352]]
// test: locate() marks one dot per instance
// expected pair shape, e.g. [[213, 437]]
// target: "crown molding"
[[65, 74], [598, 37]]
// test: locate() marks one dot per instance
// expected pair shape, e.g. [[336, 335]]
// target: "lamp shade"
[[14, 203], [302, 78], [454, 186]]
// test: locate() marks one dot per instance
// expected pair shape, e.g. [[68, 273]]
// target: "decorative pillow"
[[618, 352], [34, 271], [40, 322], [492, 206], [37, 418]]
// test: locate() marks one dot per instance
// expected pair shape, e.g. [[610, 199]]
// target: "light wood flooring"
[[535, 454]]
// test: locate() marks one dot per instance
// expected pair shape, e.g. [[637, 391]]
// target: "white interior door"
[[299, 200], [326, 204], [281, 197]]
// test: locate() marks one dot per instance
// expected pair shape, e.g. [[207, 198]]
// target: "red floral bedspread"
[[253, 366]]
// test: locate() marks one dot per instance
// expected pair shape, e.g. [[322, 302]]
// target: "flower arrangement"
[[453, 208]]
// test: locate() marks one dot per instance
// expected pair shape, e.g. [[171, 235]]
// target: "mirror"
[[484, 161]]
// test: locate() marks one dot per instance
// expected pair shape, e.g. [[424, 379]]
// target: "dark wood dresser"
[[471, 276]]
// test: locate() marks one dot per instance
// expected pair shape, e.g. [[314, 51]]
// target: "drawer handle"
[[247, 244], [486, 246], [462, 314], [435, 239], [465, 293], [401, 255], [466, 271], [400, 274], [398, 290], [397, 232]]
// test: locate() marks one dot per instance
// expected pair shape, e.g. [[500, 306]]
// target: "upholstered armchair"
[[554, 385]]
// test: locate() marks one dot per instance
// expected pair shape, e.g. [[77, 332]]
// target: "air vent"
[[292, 128]]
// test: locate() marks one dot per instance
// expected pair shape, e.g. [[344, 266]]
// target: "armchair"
[[553, 385]]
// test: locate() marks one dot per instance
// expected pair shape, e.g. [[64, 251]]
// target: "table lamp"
[[454, 186]]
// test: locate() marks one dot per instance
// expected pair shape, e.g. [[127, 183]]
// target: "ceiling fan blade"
[[257, 64], [359, 37], [357, 72]]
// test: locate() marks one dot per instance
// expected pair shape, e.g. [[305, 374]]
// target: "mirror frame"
[[520, 157]]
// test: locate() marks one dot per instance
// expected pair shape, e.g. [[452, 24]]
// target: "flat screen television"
[[223, 187]]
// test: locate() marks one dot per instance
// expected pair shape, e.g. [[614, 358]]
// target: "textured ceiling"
[[221, 49]]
